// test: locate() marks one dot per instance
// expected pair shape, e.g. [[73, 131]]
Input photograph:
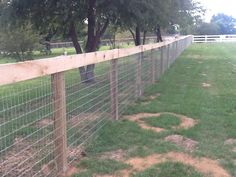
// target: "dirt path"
[[186, 122], [204, 165]]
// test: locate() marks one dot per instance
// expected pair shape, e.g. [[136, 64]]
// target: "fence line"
[[107, 42], [47, 113], [214, 38]]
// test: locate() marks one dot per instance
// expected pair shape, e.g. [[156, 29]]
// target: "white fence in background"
[[214, 38]]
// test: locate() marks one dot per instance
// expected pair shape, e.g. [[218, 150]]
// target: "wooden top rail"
[[16, 72]]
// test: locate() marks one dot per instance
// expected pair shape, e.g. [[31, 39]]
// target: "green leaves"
[[226, 23], [19, 42]]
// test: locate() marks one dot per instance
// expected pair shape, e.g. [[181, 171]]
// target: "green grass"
[[169, 169], [181, 92], [95, 166], [165, 121]]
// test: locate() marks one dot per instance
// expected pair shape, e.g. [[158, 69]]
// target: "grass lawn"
[[201, 85], [164, 121]]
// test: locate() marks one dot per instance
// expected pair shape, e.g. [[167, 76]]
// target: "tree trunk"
[[90, 45], [74, 38], [48, 39], [138, 36], [95, 32], [144, 37], [158, 33]]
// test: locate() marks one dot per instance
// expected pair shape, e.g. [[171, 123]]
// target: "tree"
[[142, 16], [66, 17], [226, 23], [185, 14], [19, 42], [207, 29]]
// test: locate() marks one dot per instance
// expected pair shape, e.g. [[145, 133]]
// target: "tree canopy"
[[225, 23], [90, 19], [220, 24]]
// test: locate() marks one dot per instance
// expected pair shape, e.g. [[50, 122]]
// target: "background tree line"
[[220, 24], [39, 21]]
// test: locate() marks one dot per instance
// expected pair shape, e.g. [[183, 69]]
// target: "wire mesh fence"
[[45, 121]]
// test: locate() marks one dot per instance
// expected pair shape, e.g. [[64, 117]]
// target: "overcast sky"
[[219, 6]]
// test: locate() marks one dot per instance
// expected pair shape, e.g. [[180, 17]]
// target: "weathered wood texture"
[[59, 117], [12, 73], [162, 59], [153, 66], [139, 75], [114, 89]]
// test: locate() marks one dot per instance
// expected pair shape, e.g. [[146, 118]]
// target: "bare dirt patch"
[[186, 122], [234, 162], [71, 171], [118, 155], [186, 143], [44, 123], [82, 118], [230, 142], [137, 118], [204, 165], [19, 160], [206, 85], [76, 153], [151, 98], [234, 149], [86, 118]]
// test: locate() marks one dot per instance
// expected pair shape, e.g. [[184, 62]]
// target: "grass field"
[[200, 85]]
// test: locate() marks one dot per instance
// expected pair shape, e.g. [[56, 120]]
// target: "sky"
[[219, 6]]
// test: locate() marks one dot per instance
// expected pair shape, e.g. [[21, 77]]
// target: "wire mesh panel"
[[157, 63], [88, 107], [26, 136], [127, 68], [44, 122], [146, 69]]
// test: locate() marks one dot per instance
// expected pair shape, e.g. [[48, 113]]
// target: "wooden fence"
[[214, 38], [24, 102]]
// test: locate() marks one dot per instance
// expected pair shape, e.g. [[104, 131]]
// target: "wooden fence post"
[[139, 74], [176, 49], [172, 53], [153, 69], [168, 56], [59, 117], [162, 59], [114, 89]]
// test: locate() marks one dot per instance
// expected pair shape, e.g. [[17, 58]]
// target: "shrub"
[[19, 42]]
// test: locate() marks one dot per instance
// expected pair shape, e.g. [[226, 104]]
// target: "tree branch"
[[130, 30]]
